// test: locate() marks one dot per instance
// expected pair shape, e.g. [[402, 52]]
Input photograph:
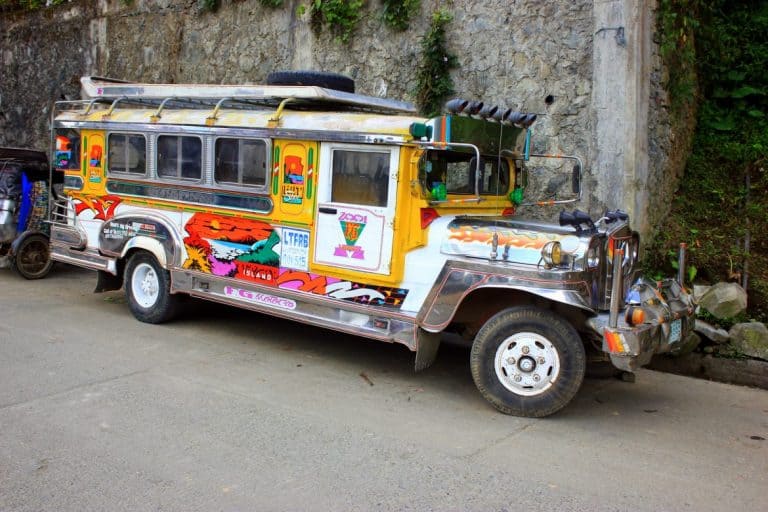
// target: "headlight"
[[552, 254]]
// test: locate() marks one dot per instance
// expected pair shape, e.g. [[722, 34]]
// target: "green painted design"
[[275, 165], [262, 252], [310, 172]]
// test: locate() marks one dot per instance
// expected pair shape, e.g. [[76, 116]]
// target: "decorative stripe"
[[186, 195]]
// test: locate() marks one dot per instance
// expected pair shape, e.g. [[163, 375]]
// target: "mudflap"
[[427, 344], [106, 282]]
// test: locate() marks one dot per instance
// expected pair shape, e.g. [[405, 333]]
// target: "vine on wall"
[[397, 13], [341, 16], [433, 78]]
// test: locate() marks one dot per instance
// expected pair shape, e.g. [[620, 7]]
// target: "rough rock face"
[[527, 55], [750, 339], [724, 300]]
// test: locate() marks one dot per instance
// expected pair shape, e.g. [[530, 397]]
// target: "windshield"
[[454, 172]]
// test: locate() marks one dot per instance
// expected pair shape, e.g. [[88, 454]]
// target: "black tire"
[[31, 258], [317, 78], [544, 340], [147, 288]]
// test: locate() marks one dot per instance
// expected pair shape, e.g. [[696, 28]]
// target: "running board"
[[336, 314]]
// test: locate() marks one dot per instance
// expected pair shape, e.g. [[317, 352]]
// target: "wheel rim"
[[33, 257], [145, 285], [527, 363]]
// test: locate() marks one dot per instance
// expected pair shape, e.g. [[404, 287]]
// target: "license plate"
[[676, 330]]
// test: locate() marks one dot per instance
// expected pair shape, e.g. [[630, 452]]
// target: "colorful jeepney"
[[353, 213]]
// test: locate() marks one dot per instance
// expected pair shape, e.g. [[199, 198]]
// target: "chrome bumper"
[[667, 319]]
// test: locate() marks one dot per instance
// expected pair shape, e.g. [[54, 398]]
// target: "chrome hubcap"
[[527, 363]]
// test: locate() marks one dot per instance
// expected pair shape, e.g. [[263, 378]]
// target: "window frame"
[[178, 177], [240, 185], [146, 155]]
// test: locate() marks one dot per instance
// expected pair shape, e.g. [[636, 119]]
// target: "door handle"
[[324, 209]]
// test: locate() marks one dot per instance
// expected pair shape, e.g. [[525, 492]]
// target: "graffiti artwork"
[[340, 289], [519, 245], [103, 207], [230, 247]]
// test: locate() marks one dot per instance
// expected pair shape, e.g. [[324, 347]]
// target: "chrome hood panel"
[[519, 240]]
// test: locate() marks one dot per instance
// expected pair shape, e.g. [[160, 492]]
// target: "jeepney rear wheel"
[[528, 362], [148, 290], [31, 258]]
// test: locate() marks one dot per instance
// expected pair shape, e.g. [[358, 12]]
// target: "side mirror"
[[576, 179]]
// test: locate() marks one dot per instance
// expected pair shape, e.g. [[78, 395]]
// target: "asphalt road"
[[229, 410]]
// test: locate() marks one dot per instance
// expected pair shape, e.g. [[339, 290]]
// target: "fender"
[[24, 235], [147, 231], [454, 284]]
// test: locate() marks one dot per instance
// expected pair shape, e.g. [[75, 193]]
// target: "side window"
[[240, 162], [67, 150], [449, 172], [127, 153], [179, 157], [360, 177]]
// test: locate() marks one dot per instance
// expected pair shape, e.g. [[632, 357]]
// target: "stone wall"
[[534, 56]]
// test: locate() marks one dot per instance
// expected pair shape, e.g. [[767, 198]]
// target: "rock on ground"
[[724, 300], [750, 339], [711, 332]]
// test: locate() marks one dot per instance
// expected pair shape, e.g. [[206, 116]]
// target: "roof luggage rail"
[[208, 95]]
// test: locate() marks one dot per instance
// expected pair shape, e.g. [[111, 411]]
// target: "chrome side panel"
[[315, 310], [147, 230], [460, 278]]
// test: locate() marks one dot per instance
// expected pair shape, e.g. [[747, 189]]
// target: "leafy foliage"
[[723, 199], [207, 5], [676, 21], [341, 15], [272, 3], [396, 13], [29, 5], [433, 77]]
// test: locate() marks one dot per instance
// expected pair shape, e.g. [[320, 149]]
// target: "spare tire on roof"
[[316, 78]]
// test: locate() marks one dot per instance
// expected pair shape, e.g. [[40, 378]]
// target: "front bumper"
[[668, 319]]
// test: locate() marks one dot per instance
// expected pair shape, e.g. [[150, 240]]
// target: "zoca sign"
[[294, 249], [353, 217]]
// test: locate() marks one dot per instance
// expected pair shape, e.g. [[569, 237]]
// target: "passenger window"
[[179, 157], [241, 162], [360, 177], [127, 153]]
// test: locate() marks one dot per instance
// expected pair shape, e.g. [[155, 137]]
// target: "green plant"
[[341, 15], [207, 5], [397, 13], [676, 21], [271, 3], [433, 76], [720, 208]]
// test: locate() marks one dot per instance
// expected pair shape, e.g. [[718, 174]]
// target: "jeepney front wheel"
[[528, 361], [148, 289]]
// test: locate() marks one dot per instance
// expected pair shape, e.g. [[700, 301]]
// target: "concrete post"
[[621, 96]]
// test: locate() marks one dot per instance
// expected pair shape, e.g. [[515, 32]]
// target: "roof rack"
[[238, 96]]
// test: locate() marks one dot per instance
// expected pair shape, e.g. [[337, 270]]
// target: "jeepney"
[[307, 201]]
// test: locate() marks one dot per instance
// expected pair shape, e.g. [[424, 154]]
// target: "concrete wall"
[[517, 54]]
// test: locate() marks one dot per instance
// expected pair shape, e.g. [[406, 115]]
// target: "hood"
[[519, 240]]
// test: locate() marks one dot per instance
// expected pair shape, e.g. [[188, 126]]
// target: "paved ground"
[[226, 410]]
